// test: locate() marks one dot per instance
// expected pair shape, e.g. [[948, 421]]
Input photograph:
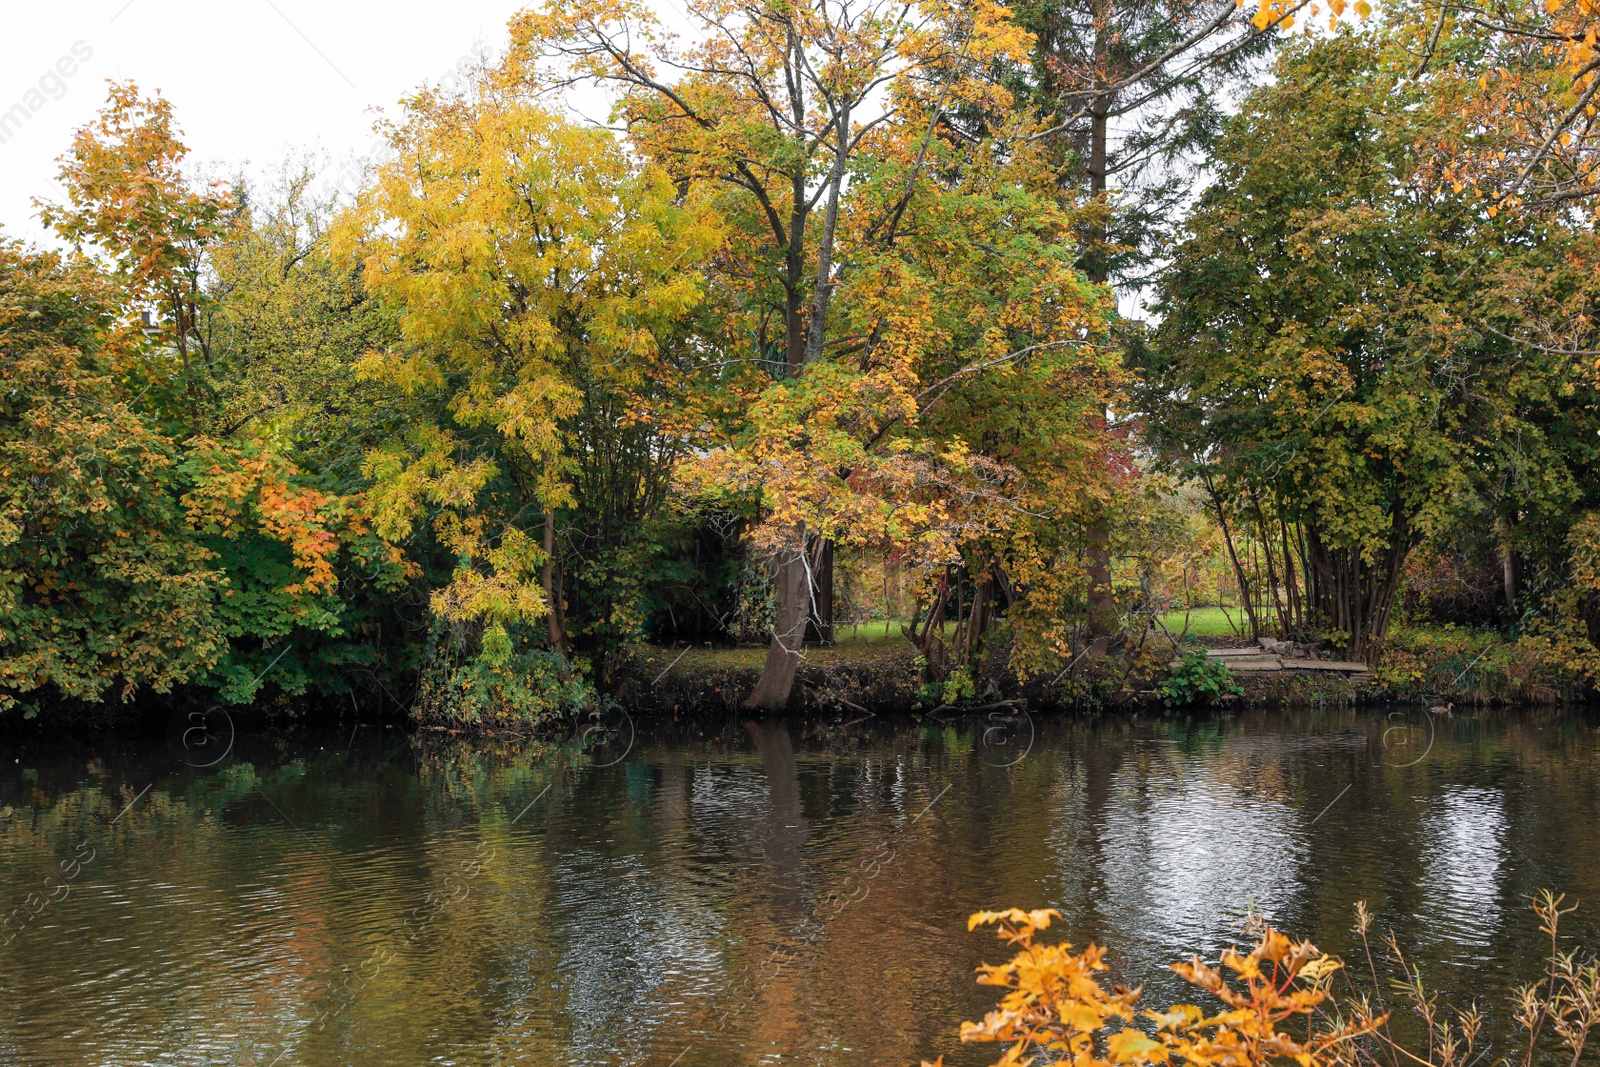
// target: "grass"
[[1210, 622], [854, 641], [850, 642]]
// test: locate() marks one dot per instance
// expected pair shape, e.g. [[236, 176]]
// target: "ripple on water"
[[633, 914]]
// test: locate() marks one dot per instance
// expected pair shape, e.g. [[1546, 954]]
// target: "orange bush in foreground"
[[1055, 1009]]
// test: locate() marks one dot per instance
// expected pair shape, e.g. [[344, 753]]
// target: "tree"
[[286, 325], [1336, 363], [784, 112], [127, 197], [538, 278], [257, 553], [101, 582], [1131, 94]]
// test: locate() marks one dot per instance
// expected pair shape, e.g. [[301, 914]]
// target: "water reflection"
[[1193, 844], [1464, 834], [326, 902]]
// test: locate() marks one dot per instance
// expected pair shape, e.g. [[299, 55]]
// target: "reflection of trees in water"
[[785, 836], [620, 909]]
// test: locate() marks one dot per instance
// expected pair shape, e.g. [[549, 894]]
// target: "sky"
[[253, 82]]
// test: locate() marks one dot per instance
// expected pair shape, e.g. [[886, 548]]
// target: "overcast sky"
[[252, 81]]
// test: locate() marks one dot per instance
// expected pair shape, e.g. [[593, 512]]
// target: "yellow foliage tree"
[[530, 262], [897, 263]]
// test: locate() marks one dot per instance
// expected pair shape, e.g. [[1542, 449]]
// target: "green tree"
[[1336, 362]]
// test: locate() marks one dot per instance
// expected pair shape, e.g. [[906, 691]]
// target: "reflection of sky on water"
[[624, 914], [1463, 856], [636, 958], [1188, 845]]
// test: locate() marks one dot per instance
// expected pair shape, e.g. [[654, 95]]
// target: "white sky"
[[253, 82]]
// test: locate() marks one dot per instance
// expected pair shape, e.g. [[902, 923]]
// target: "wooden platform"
[[1255, 661]]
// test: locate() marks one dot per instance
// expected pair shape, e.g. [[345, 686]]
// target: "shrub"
[[1054, 1008], [529, 688], [1198, 679]]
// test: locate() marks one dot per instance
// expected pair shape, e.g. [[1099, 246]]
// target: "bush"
[[1198, 679], [531, 688], [1550, 661]]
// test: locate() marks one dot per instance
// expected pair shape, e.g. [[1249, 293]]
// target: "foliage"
[[1334, 366], [1055, 1007], [839, 289], [128, 198], [1132, 96], [287, 325], [280, 544], [538, 277], [911, 289], [101, 583], [503, 688], [1197, 678]]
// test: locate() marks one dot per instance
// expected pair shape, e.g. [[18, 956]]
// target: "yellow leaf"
[[1081, 1017], [1320, 967], [1130, 1046], [1179, 1015]]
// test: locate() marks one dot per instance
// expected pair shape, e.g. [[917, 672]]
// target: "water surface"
[[743, 892]]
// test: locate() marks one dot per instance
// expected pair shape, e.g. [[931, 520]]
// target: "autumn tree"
[[538, 278], [129, 199], [824, 136], [101, 583], [146, 557]]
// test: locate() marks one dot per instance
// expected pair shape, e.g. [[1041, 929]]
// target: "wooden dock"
[[1257, 661]]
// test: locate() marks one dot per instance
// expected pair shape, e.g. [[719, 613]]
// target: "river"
[[742, 892]]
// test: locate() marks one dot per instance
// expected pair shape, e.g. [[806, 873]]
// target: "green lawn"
[[866, 633], [1209, 622], [852, 642]]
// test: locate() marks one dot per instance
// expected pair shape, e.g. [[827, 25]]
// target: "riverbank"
[[870, 669]]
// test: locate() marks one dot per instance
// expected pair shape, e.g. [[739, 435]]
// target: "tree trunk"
[[1509, 574], [830, 225], [1233, 555], [820, 629], [1355, 596], [978, 615], [552, 592], [790, 573], [793, 579], [1102, 599]]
